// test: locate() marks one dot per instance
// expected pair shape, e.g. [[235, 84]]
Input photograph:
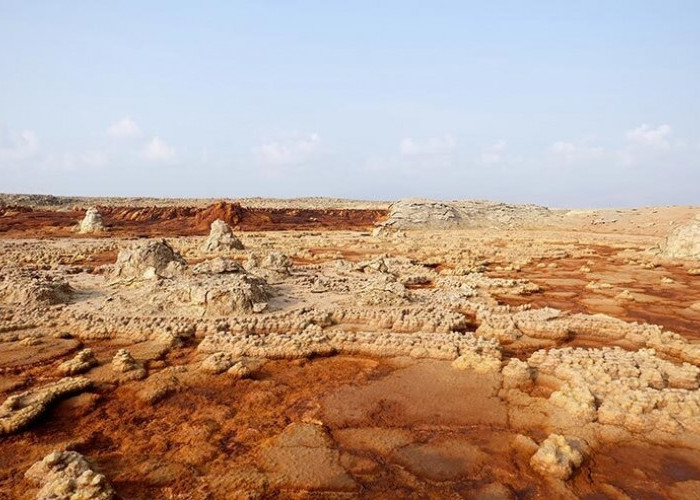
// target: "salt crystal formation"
[[33, 287], [684, 242], [126, 366], [557, 456], [92, 222], [20, 410], [154, 259], [67, 475], [315, 342], [82, 362], [221, 238], [635, 390]]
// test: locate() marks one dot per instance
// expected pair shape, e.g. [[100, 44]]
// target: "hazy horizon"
[[578, 105]]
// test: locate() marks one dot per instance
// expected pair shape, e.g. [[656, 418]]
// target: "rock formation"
[[82, 362], [221, 238], [684, 242], [39, 288], [154, 259], [92, 222], [557, 456], [433, 214], [67, 475], [126, 366], [20, 410], [423, 213]]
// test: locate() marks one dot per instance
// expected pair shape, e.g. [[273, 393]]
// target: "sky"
[[562, 103]]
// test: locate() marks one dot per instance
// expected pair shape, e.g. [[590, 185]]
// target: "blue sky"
[[561, 103]]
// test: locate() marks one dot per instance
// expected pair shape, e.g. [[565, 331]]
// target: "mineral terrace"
[[320, 348]]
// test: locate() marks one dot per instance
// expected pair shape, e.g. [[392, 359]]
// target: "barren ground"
[[417, 363]]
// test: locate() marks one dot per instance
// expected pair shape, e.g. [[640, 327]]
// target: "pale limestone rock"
[[578, 401], [218, 362], [277, 261], [315, 341]]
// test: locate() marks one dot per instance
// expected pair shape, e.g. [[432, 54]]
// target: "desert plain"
[[323, 348]]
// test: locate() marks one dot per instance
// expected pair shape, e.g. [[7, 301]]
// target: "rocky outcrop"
[[67, 475], [154, 259], [427, 214], [221, 238], [218, 265], [92, 222], [432, 214], [19, 410], [684, 242]]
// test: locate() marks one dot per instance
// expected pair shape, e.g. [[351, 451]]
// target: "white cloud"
[[289, 152], [432, 146], [494, 154], [126, 127], [658, 137], [17, 146], [574, 152], [158, 151]]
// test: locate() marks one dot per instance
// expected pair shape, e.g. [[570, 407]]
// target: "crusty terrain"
[[432, 350]]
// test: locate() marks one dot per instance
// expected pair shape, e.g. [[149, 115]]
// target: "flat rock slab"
[[302, 457], [16, 355], [426, 393]]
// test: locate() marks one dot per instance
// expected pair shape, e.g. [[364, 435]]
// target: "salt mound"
[[66, 474], [221, 238], [684, 242], [41, 288], [425, 213], [82, 362], [557, 456], [92, 222], [156, 258], [432, 214]]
